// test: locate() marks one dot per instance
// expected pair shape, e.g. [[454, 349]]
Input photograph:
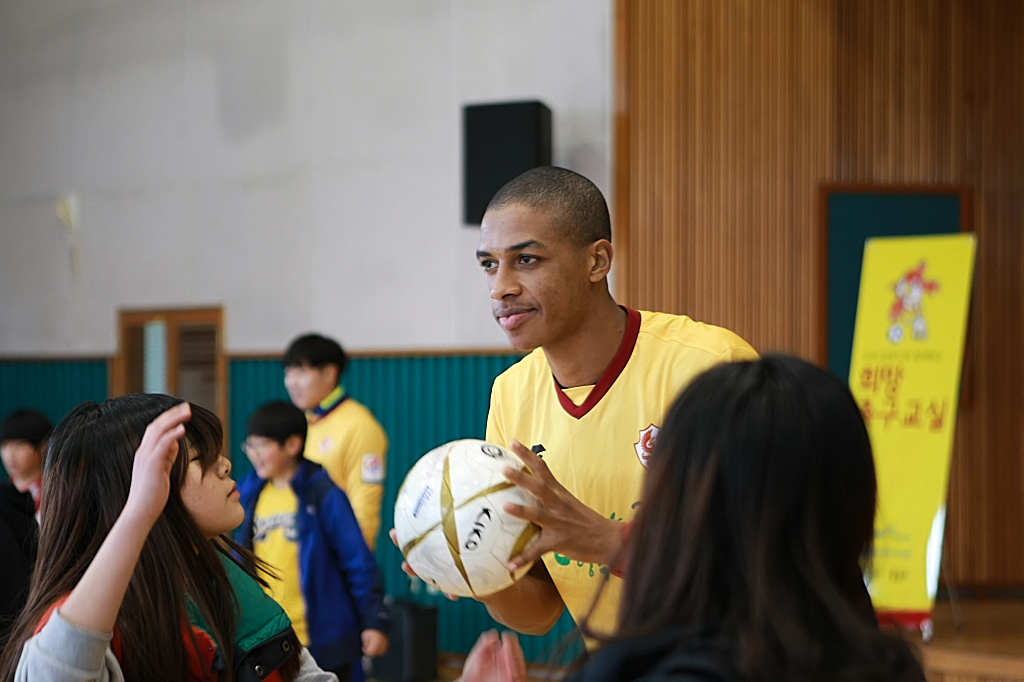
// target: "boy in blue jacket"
[[302, 524]]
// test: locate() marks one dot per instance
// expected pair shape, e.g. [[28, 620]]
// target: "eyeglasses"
[[249, 445]]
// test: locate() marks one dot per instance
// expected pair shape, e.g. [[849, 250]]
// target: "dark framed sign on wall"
[[852, 213]]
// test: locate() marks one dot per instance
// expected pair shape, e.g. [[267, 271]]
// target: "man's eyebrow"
[[524, 245], [515, 247]]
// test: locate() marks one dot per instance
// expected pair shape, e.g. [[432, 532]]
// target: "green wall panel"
[[421, 402], [50, 386]]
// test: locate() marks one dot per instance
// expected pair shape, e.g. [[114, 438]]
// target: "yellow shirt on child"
[[275, 539]]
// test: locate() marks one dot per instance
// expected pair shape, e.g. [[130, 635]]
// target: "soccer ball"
[[449, 519]]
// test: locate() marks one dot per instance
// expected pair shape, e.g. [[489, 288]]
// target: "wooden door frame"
[[174, 318]]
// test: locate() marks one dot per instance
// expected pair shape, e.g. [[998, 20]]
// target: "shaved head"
[[568, 198]]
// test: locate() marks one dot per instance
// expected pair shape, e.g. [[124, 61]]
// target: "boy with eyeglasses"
[[302, 524]]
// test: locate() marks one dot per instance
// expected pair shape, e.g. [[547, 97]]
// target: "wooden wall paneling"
[[990, 474], [731, 113], [711, 193], [931, 92]]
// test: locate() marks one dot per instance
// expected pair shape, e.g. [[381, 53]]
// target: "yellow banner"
[[905, 375]]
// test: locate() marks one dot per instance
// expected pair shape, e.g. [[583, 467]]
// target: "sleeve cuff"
[[71, 645], [620, 567]]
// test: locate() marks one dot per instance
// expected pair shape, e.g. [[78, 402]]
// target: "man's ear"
[[293, 445], [601, 254], [331, 371]]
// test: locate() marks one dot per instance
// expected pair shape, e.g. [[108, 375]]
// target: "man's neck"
[[23, 483], [581, 359], [284, 479], [328, 402]]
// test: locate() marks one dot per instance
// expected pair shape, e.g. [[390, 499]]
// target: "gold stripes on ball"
[[451, 535]]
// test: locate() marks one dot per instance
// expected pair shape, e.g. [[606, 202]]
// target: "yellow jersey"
[[596, 439], [275, 539], [350, 444]]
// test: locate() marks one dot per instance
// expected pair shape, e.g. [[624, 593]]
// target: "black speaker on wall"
[[499, 142]]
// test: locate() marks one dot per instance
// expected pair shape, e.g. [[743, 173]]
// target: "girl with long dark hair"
[[744, 561], [135, 579]]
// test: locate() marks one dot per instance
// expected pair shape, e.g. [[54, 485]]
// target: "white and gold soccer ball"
[[450, 522]]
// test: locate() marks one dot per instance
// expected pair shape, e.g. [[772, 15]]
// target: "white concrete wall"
[[295, 161]]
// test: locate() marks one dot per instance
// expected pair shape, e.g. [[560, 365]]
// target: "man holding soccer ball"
[[583, 409]]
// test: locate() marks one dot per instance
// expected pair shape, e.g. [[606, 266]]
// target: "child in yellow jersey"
[[302, 524], [583, 409], [344, 437]]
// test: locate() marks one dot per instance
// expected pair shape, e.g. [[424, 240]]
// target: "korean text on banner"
[[905, 375]]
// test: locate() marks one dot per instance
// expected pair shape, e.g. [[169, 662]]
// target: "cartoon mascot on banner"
[[910, 291]]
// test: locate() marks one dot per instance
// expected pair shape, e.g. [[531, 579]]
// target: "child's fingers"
[[153, 462], [169, 420], [167, 446], [512, 657], [163, 432], [485, 645], [166, 443]]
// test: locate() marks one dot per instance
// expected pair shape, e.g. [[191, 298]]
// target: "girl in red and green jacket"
[[135, 577]]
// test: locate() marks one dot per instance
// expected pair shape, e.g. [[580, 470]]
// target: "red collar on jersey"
[[611, 373]]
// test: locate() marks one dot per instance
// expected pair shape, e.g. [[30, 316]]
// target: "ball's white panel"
[[469, 473], [523, 570], [403, 527], [418, 506], [479, 527], [487, 574], [490, 542], [482, 541], [432, 561], [476, 465], [486, 536], [515, 495]]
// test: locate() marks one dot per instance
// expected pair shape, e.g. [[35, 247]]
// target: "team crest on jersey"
[[645, 446], [373, 468], [326, 443]]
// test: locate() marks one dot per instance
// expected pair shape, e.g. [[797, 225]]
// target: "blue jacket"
[[340, 583]]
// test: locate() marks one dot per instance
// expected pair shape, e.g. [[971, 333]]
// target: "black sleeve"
[[18, 537]]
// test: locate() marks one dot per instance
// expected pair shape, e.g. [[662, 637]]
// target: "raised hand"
[[151, 471], [567, 525], [94, 602], [495, 659]]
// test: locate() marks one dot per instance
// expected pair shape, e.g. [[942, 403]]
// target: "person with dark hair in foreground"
[[23, 435], [22, 441], [344, 437], [744, 562], [136, 579]]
